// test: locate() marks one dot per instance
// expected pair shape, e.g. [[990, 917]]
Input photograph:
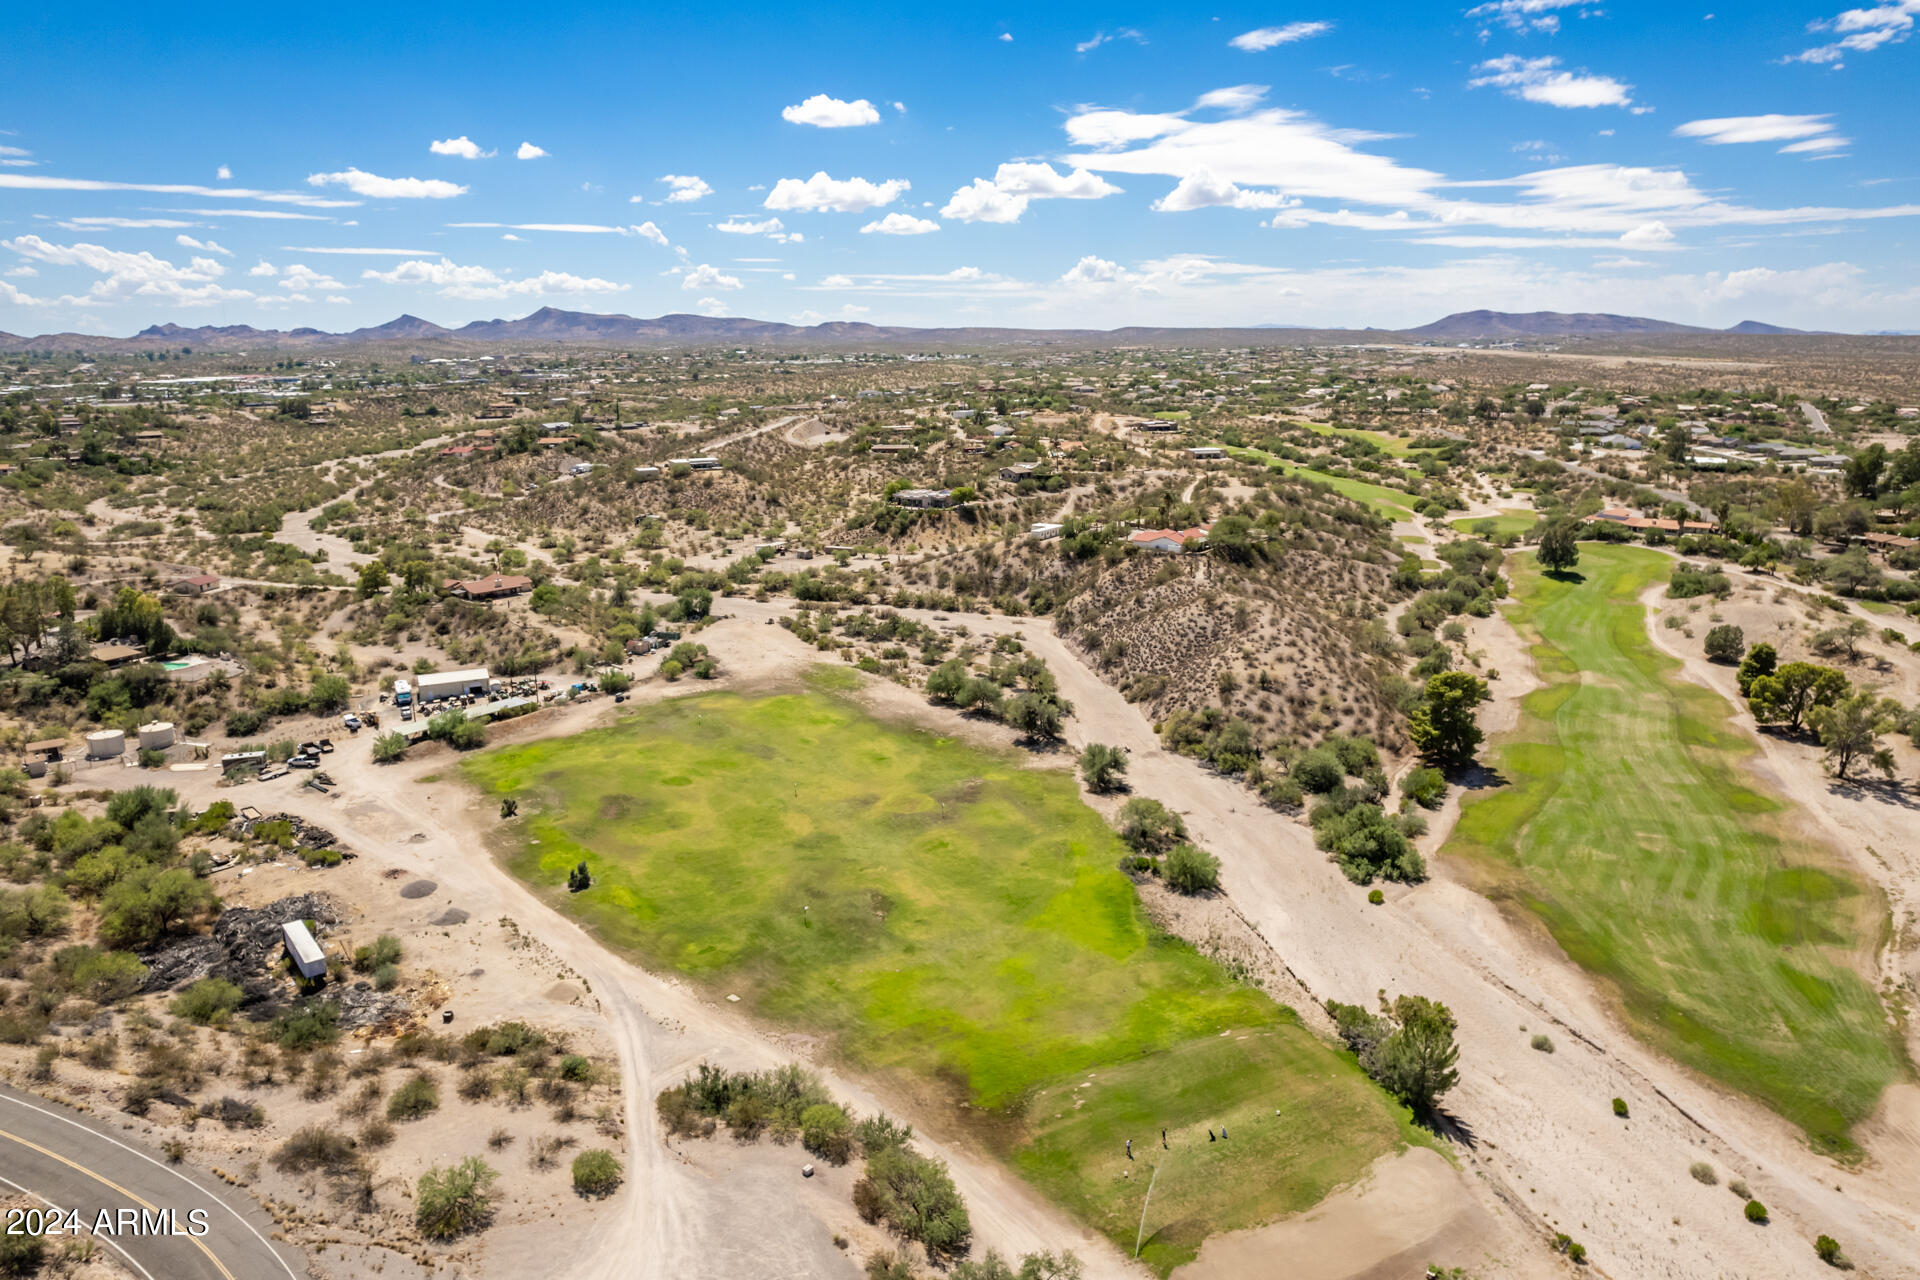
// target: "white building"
[[452, 684], [307, 956]]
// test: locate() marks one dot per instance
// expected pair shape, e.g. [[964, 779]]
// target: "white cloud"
[[355, 251], [568, 228], [685, 188], [22, 272], [274, 215], [205, 246], [338, 297], [1092, 270], [375, 187], [463, 146], [223, 173], [263, 268], [130, 275], [1006, 37], [1321, 166], [711, 306], [12, 295], [709, 277], [772, 228], [821, 192], [1101, 37], [40, 182], [901, 224], [455, 281], [1541, 80], [81, 224], [301, 276], [648, 231], [528, 151], [17, 158], [836, 282], [1861, 31], [1527, 15], [1004, 198], [1201, 189], [1263, 38], [823, 112], [1801, 133], [1234, 98], [1647, 235]]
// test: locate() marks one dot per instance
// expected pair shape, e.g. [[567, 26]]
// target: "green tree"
[[328, 694], [373, 579], [1559, 545], [1417, 1062], [916, 1198], [209, 1002], [1443, 727], [1786, 696], [1103, 767], [452, 1202], [1761, 660], [1726, 643], [1034, 715], [1849, 732], [141, 907], [945, 681], [389, 747]]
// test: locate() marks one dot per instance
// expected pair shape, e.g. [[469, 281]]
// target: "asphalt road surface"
[[69, 1161]]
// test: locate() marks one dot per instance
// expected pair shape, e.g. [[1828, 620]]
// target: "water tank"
[[157, 736], [105, 744]]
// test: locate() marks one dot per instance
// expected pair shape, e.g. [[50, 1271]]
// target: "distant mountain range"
[[552, 325]]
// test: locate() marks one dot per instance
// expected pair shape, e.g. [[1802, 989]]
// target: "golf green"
[[1626, 820], [955, 919]]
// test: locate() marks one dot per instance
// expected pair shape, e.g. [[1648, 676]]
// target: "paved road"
[[1816, 420], [74, 1163]]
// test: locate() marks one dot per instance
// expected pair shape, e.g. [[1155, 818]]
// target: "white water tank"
[[157, 736], [105, 744]]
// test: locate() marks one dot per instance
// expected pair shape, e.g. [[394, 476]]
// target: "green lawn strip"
[[1290, 1111], [938, 911], [1391, 503], [1506, 523], [1630, 827], [1387, 444]]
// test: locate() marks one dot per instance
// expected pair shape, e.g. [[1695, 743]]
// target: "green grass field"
[[954, 919], [1509, 522], [1391, 503], [1393, 446], [1631, 828]]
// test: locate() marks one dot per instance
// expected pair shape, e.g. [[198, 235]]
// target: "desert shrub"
[[595, 1172], [1149, 827], [1365, 843], [826, 1130], [1376, 897], [22, 1254], [453, 1202], [306, 1026], [1756, 1212], [1318, 771], [1620, 1107], [386, 977], [417, 1097], [316, 1147], [1739, 1188], [915, 1197], [208, 1002], [1191, 869], [384, 950], [1425, 786], [1703, 1173], [877, 1132], [1827, 1249], [1103, 767], [1543, 1043]]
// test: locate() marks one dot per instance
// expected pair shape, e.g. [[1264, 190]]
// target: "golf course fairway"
[[1627, 822], [954, 920]]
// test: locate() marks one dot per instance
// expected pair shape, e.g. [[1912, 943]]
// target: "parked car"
[[352, 722], [304, 762]]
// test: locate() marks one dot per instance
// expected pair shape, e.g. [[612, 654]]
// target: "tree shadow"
[[1572, 577], [1444, 1124], [1886, 790], [1479, 777]]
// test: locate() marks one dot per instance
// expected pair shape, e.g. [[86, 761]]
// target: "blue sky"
[[1083, 165]]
